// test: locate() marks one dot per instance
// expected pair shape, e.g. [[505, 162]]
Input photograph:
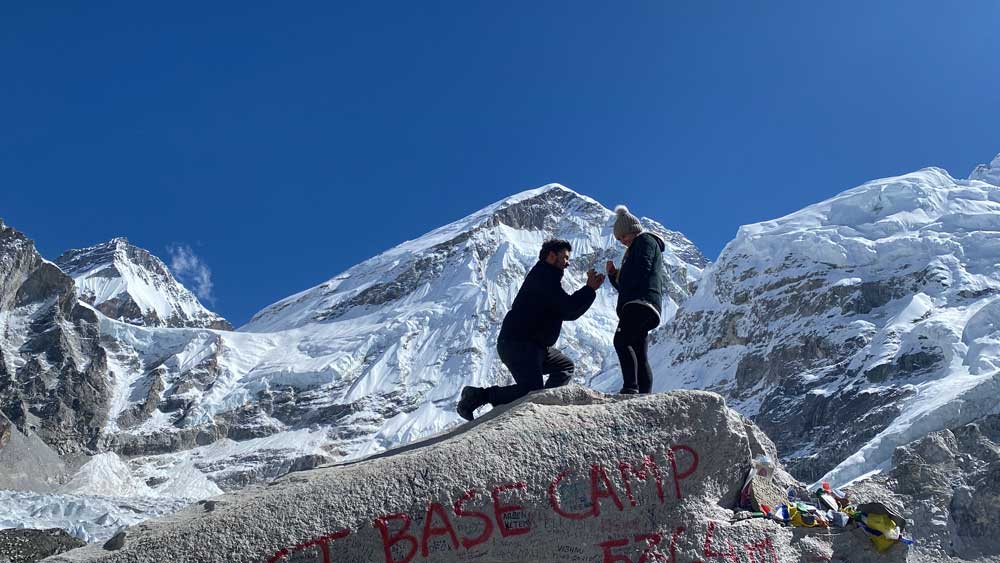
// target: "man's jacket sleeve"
[[572, 307]]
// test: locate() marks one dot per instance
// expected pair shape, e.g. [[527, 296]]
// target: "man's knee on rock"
[[560, 378], [534, 385]]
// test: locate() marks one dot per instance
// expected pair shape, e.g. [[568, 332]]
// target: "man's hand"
[[594, 280], [610, 268]]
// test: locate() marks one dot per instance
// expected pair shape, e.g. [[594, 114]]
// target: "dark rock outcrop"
[[55, 383], [29, 546]]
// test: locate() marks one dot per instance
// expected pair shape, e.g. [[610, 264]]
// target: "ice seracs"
[[989, 173]]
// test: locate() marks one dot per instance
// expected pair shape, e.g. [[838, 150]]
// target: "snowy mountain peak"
[[373, 357], [130, 284], [989, 173], [552, 190], [880, 208], [500, 237]]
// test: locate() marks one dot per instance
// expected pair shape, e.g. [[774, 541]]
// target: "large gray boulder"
[[563, 475]]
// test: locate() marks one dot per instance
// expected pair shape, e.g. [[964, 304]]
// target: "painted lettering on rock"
[[710, 553], [643, 472], [579, 499], [619, 550], [601, 487], [759, 551], [678, 475], [507, 525], [436, 512], [391, 539], [460, 511], [648, 543], [323, 543], [683, 463]]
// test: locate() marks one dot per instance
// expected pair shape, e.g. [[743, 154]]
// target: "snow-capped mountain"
[[500, 239], [372, 358], [128, 283], [854, 325]]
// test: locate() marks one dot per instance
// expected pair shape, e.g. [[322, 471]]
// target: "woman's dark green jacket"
[[640, 277]]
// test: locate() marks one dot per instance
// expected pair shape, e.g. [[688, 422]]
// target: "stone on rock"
[[115, 543]]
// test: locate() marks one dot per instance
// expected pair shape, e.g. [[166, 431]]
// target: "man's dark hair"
[[554, 245]]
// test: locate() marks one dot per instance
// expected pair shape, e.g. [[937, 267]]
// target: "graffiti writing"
[[650, 549], [574, 494]]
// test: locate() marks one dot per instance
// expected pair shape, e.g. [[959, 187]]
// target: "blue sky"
[[283, 143]]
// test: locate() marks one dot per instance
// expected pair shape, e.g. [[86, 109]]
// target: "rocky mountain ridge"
[[53, 371]]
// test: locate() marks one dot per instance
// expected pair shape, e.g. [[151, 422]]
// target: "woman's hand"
[[610, 268]]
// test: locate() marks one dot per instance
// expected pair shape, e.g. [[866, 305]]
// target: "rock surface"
[[562, 475], [26, 462], [29, 546], [53, 370], [948, 486]]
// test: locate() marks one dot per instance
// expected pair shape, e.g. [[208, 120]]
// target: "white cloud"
[[191, 271]]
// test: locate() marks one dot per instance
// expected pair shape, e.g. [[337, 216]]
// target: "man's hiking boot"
[[471, 399], [628, 391]]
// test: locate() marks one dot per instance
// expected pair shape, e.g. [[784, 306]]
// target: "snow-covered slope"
[[854, 325], [128, 283]]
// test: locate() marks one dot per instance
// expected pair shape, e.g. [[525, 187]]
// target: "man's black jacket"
[[542, 305]]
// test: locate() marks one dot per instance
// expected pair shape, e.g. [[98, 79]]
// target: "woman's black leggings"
[[631, 343]]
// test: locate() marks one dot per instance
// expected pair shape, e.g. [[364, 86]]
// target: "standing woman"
[[639, 282]]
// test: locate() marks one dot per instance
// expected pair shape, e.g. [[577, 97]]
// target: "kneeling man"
[[530, 329]]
